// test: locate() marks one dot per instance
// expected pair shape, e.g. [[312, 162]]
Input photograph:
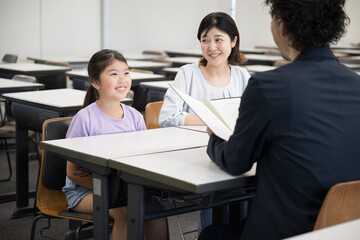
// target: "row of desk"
[[172, 159]]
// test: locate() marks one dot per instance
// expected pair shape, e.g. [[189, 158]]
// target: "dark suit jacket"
[[301, 124]]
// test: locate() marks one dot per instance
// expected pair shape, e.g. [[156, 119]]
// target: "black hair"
[[225, 23], [97, 64], [311, 23]]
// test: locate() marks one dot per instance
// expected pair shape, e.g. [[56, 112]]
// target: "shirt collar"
[[316, 52]]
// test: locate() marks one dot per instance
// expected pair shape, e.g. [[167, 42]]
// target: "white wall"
[[50, 27], [73, 27], [159, 24]]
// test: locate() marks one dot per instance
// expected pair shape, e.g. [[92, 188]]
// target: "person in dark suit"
[[300, 123]]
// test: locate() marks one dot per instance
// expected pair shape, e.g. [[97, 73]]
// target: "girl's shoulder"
[[131, 111]]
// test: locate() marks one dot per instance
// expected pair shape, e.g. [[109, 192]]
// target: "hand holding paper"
[[219, 115]]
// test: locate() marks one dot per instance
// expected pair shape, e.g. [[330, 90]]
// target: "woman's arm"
[[193, 120]]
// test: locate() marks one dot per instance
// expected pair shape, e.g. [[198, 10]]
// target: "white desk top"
[[352, 65], [135, 76], [146, 64], [349, 231], [262, 57], [195, 128], [70, 60], [139, 56], [163, 85], [57, 98], [171, 69], [31, 67], [99, 149], [259, 68], [350, 51], [190, 170], [12, 84], [181, 60]]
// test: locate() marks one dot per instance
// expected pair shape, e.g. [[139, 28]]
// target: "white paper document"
[[219, 115]]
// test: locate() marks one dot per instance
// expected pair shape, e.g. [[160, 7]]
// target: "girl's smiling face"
[[115, 82]]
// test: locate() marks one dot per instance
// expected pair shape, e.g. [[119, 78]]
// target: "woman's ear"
[[233, 43]]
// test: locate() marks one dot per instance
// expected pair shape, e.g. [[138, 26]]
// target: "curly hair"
[[311, 23]]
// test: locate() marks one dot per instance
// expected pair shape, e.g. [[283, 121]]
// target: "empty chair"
[[341, 204], [152, 112], [24, 78], [54, 63], [10, 58]]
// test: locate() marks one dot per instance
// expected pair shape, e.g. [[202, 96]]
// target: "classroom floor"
[[19, 229]]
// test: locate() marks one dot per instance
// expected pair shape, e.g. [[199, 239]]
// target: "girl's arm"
[[78, 175]]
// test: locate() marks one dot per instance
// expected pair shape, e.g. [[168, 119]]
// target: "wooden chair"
[[50, 198], [24, 78], [152, 112], [54, 63], [141, 71], [10, 58], [155, 52], [341, 204]]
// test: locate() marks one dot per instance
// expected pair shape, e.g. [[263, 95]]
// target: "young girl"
[[104, 114], [218, 75]]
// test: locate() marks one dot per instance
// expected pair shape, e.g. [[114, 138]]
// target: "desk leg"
[[136, 211], [101, 206], [22, 174], [221, 214]]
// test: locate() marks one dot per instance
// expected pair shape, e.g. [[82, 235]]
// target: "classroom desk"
[[165, 158], [350, 52], [195, 128], [259, 59], [170, 72], [155, 67], [259, 68], [51, 76], [140, 56], [74, 62], [349, 231], [184, 53], [80, 78], [155, 91], [80, 81], [30, 110], [8, 85], [180, 61], [353, 66]]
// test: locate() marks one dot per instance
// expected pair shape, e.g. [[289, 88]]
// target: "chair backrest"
[[10, 58], [50, 198], [54, 63], [141, 71], [341, 204], [152, 112], [24, 78]]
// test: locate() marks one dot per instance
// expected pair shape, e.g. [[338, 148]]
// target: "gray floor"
[[18, 229]]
